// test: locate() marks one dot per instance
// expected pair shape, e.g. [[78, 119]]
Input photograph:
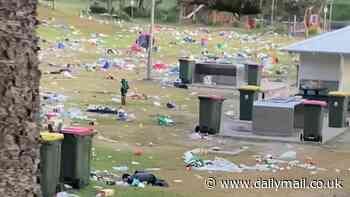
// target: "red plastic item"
[[159, 66], [81, 131], [315, 102]]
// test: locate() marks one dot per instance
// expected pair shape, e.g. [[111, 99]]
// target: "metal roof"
[[336, 42]]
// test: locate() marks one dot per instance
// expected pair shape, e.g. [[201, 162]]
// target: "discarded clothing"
[[143, 177], [102, 109]]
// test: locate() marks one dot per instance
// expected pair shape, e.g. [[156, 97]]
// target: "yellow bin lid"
[[340, 94], [50, 137], [250, 87]]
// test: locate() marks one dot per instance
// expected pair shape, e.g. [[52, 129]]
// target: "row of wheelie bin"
[[314, 112], [187, 68], [65, 159]]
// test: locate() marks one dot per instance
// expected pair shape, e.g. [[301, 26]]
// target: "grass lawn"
[[163, 146]]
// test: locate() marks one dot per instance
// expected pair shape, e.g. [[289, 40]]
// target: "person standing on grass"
[[124, 90]]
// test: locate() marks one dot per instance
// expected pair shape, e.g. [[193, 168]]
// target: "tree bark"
[[19, 99]]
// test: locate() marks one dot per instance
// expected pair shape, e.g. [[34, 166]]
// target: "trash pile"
[[269, 163], [54, 115]]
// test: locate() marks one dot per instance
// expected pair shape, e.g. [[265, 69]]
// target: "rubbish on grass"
[[140, 177], [102, 109], [135, 163], [137, 183], [219, 164], [199, 136], [258, 167], [235, 152], [289, 156], [138, 152], [75, 113], [122, 115], [121, 168], [54, 97], [156, 103], [165, 121], [171, 105], [67, 75], [193, 160]]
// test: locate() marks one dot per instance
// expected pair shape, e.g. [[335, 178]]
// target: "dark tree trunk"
[[19, 99]]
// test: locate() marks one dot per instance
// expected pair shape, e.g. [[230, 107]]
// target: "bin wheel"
[[197, 129]]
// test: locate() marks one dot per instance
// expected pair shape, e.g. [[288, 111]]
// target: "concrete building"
[[324, 61]]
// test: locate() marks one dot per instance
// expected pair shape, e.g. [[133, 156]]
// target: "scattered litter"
[[141, 178], [235, 152], [122, 115], [67, 75], [165, 121], [102, 109], [171, 105], [177, 181], [135, 163], [289, 156], [121, 168], [156, 103]]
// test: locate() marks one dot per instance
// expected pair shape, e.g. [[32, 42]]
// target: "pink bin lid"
[[315, 102], [82, 131]]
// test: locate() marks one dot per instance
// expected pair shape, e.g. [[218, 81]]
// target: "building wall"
[[346, 74], [319, 67]]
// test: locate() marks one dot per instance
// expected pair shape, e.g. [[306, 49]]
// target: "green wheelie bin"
[[248, 94], [50, 163], [338, 109], [186, 70], [313, 120], [254, 74], [210, 111], [76, 156]]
